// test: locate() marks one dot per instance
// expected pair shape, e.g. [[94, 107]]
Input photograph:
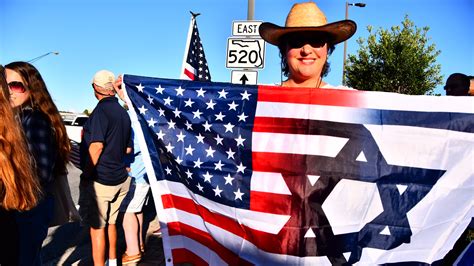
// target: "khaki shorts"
[[136, 197], [100, 204]]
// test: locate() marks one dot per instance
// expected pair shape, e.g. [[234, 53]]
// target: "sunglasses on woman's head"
[[17, 86]]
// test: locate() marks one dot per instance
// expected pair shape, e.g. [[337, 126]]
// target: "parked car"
[[74, 124]]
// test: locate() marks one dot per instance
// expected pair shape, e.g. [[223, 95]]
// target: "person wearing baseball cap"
[[305, 43], [104, 180]]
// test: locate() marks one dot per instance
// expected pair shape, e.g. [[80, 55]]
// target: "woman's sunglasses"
[[16, 86]]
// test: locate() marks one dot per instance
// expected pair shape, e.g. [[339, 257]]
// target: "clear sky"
[[148, 37]]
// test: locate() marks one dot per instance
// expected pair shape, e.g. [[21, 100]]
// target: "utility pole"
[[250, 10]]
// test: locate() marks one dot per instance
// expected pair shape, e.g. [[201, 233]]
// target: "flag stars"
[[189, 174], [242, 117], [150, 99], [197, 114], [160, 135], [232, 106], [241, 168], [168, 101], [198, 163], [200, 187], [207, 177], [210, 105], [188, 103], [152, 122], [230, 154], [200, 92], [181, 137], [219, 140], [200, 138], [245, 95], [229, 127], [140, 87], [177, 113], [169, 148], [240, 141], [189, 150], [171, 124], [238, 194], [219, 117], [228, 179], [218, 165], [179, 91], [210, 152], [217, 191], [179, 160], [161, 111], [142, 110], [159, 90], [188, 125], [207, 126], [222, 94], [168, 170]]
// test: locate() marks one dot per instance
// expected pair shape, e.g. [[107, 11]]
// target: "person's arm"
[[95, 150]]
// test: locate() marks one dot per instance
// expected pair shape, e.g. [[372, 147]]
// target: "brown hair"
[[19, 187], [42, 100]]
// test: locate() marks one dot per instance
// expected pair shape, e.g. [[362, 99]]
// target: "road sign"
[[245, 77], [245, 53], [246, 28]]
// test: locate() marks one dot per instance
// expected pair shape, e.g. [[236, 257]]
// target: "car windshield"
[[80, 121]]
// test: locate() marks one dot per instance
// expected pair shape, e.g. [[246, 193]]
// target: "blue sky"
[[148, 37]]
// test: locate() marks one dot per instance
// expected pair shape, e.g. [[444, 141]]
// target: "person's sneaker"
[[126, 259], [157, 232]]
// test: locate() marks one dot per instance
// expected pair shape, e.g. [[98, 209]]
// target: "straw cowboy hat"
[[308, 17]]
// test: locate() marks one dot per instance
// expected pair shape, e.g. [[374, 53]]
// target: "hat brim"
[[338, 31]]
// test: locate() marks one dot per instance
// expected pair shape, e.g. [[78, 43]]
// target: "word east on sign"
[[246, 50]]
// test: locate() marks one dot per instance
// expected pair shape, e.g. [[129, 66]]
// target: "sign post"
[[245, 52]]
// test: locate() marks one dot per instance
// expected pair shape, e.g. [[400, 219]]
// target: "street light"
[[345, 42], [41, 56]]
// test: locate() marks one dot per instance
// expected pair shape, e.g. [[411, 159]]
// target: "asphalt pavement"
[[69, 244]]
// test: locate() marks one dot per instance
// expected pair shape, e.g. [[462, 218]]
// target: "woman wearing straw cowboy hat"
[[305, 43]]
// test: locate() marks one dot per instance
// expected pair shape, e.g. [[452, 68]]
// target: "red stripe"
[[189, 74], [182, 255], [350, 98], [281, 125], [280, 163], [264, 241], [266, 202], [178, 228]]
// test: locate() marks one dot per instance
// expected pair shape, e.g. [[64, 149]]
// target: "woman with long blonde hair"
[[49, 146], [19, 186]]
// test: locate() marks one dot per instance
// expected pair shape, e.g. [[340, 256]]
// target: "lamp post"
[[41, 56], [345, 42]]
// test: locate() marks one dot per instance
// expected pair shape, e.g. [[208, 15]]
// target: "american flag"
[[195, 64], [281, 176]]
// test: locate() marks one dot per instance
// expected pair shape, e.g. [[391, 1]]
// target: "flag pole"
[[188, 41]]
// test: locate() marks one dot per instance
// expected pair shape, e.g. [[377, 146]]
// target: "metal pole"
[[41, 56], [250, 10], [345, 50]]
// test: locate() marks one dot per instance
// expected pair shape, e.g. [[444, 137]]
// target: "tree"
[[400, 60], [86, 112]]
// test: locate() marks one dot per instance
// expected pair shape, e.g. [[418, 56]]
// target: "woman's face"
[[19, 93], [306, 56]]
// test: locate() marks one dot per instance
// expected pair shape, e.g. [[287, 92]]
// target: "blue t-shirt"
[[109, 124], [135, 160]]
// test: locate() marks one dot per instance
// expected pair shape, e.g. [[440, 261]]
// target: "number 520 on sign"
[[245, 53]]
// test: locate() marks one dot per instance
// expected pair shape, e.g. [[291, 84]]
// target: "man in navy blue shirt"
[[105, 180]]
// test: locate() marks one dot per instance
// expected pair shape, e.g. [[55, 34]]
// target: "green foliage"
[[397, 60], [86, 112]]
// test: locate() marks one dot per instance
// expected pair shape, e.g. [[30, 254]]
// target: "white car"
[[74, 124]]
